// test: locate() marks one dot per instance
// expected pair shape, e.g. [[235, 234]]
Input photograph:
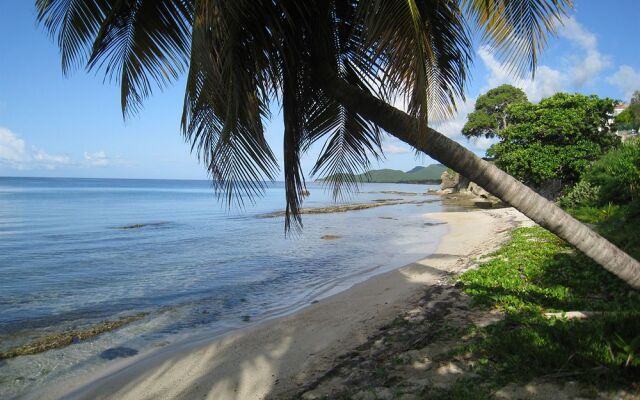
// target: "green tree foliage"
[[582, 194], [555, 139], [617, 174], [629, 118], [490, 115], [635, 98]]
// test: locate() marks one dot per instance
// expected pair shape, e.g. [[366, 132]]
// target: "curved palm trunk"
[[487, 175]]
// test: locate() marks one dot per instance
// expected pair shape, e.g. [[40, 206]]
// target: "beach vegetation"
[[537, 280], [581, 194], [491, 111], [628, 119], [558, 138], [335, 68], [617, 175]]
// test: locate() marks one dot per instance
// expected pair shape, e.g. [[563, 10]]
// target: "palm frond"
[[423, 50], [136, 42], [74, 24], [229, 85], [243, 54], [351, 143], [517, 30], [141, 42]]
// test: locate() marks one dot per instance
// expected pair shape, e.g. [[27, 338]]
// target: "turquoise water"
[[194, 266]]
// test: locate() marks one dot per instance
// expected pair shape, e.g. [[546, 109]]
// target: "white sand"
[[272, 359]]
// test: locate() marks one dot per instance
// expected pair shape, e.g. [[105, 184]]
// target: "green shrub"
[[558, 138], [582, 194], [617, 174]]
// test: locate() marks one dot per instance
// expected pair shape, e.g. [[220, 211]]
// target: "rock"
[[483, 204], [364, 395], [516, 392], [445, 375], [379, 393], [118, 352], [449, 180], [383, 393], [477, 190], [452, 182], [330, 237]]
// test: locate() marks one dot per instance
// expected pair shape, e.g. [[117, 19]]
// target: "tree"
[[490, 115], [635, 98], [629, 118], [555, 139], [334, 66]]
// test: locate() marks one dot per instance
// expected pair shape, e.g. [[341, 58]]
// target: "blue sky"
[[52, 125]]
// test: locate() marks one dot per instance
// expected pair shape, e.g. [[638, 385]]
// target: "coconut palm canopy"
[[241, 55]]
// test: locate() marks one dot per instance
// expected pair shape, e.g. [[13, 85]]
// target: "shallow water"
[[74, 252]]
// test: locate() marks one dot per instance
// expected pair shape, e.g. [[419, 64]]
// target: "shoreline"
[[275, 358]]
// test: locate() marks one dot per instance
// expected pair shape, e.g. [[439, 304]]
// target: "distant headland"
[[425, 175]]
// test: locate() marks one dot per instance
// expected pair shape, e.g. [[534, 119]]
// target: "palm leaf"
[[243, 54], [224, 122], [423, 49], [517, 29], [74, 24]]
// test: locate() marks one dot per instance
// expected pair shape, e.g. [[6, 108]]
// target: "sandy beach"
[[274, 359]]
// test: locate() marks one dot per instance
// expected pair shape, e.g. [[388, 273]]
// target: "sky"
[[52, 125]]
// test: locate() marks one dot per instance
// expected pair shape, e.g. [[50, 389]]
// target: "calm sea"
[[194, 266]]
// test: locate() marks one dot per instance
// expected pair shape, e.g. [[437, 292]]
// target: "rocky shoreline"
[[69, 337], [351, 207]]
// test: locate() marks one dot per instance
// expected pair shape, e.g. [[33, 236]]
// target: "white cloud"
[[547, 80], [584, 67], [50, 161], [102, 159], [452, 127], [12, 148], [587, 67], [576, 33], [391, 148], [626, 79], [97, 159], [484, 143], [16, 154]]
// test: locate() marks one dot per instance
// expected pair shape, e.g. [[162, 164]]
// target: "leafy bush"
[[629, 118], [583, 194], [557, 138], [617, 174]]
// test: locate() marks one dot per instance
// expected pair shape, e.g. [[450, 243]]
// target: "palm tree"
[[334, 66]]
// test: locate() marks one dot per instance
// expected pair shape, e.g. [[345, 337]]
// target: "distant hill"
[[429, 174]]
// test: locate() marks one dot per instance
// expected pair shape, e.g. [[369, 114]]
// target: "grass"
[[536, 273], [620, 224]]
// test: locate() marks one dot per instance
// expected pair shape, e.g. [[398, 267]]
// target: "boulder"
[[453, 182], [449, 180]]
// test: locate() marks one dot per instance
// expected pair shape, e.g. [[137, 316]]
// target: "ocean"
[[76, 252]]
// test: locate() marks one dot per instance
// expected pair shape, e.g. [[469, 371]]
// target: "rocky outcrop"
[[453, 182], [449, 181]]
